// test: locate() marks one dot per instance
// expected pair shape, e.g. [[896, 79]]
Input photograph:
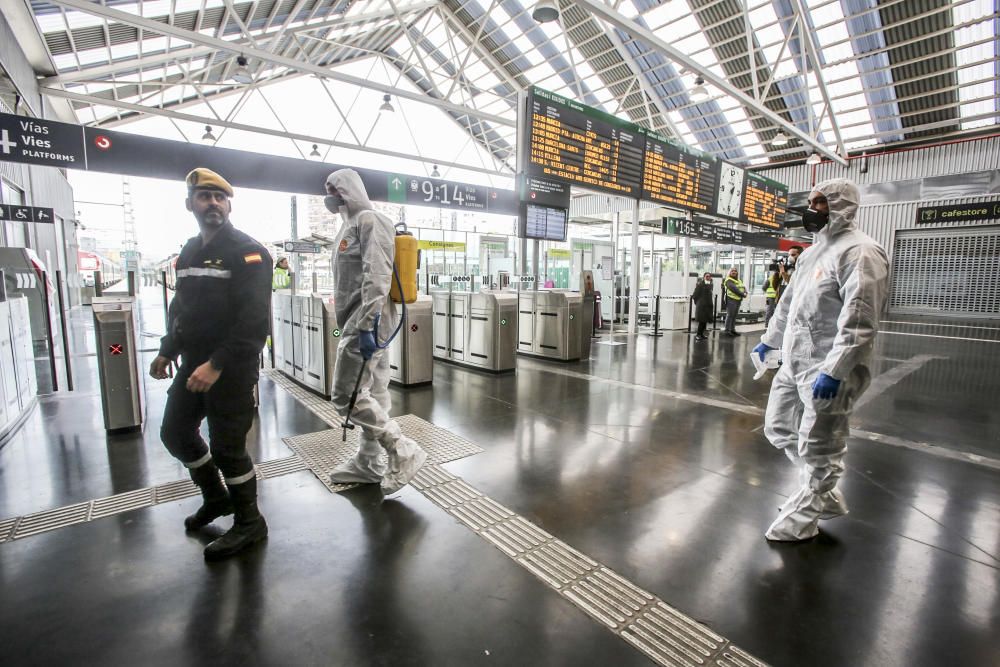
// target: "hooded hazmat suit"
[[825, 322], [362, 272]]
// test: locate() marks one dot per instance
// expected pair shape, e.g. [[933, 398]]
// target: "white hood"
[[843, 197], [348, 183]]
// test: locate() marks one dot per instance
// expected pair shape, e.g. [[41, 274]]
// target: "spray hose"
[[402, 319]]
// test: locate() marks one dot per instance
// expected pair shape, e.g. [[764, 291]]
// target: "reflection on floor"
[[647, 458]]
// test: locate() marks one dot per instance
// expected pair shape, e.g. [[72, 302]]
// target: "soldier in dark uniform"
[[218, 322]]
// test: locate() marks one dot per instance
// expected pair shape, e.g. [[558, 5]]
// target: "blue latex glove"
[[762, 349], [825, 386], [368, 344]]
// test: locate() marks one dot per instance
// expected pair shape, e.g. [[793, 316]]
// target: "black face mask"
[[814, 221], [333, 203]]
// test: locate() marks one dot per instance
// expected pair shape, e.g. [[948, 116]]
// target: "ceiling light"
[[779, 139], [208, 136], [545, 11], [813, 158], [699, 92], [435, 173], [242, 73], [315, 151], [386, 106]]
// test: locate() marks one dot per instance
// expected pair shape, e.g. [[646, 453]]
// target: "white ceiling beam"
[[215, 122], [639, 32], [273, 36], [112, 14]]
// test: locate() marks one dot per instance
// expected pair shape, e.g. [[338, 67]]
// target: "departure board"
[[543, 222], [764, 201], [582, 145], [675, 175]]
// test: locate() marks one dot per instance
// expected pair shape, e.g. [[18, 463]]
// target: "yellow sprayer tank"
[[406, 265]]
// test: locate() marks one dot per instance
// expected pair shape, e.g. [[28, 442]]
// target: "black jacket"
[[222, 306], [702, 302]]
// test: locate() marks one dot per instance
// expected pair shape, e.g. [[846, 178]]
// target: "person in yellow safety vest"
[[735, 293], [771, 286], [281, 279]]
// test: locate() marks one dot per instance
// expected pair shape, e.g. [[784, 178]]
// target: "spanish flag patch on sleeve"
[[252, 258]]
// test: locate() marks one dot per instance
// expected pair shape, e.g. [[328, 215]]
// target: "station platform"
[[605, 512]]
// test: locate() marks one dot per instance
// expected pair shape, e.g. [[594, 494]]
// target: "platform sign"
[[420, 191], [38, 141], [303, 246], [678, 176], [764, 201], [582, 145], [17, 213], [982, 211]]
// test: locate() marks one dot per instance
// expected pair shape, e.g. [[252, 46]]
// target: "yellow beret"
[[207, 179]]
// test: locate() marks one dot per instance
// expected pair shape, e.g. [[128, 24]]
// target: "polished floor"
[[647, 457]]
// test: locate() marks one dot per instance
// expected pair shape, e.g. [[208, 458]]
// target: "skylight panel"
[[82, 20], [627, 9], [968, 93], [50, 22], [659, 16], [540, 72], [155, 8]]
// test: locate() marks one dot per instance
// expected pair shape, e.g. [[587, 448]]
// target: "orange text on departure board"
[[762, 206], [672, 182], [579, 156]]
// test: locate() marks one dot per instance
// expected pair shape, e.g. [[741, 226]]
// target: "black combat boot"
[[248, 528], [215, 497]]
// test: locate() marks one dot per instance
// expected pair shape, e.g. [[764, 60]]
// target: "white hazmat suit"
[[825, 322], [362, 272]]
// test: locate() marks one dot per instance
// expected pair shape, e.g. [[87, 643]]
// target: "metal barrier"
[[122, 388]]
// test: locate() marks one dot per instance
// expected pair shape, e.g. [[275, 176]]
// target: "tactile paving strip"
[[42, 522], [325, 450], [662, 633]]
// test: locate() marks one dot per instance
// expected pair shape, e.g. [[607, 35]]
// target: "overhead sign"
[[559, 253], [989, 210], [764, 201], [419, 191], [575, 144], [44, 142], [675, 175], [545, 192], [65, 145], [542, 222], [302, 246], [458, 246], [717, 234], [16, 213], [583, 145]]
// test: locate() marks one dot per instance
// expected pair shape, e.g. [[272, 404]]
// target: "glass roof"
[[469, 58]]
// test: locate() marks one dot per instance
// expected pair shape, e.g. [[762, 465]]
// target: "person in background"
[[787, 268], [771, 287], [702, 297], [281, 279], [735, 293]]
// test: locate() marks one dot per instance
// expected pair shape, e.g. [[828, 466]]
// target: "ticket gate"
[[476, 329], [550, 324], [305, 336], [411, 353], [122, 380]]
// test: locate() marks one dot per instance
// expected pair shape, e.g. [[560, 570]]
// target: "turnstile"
[[550, 324], [476, 329], [122, 387], [411, 354], [18, 381], [305, 336]]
